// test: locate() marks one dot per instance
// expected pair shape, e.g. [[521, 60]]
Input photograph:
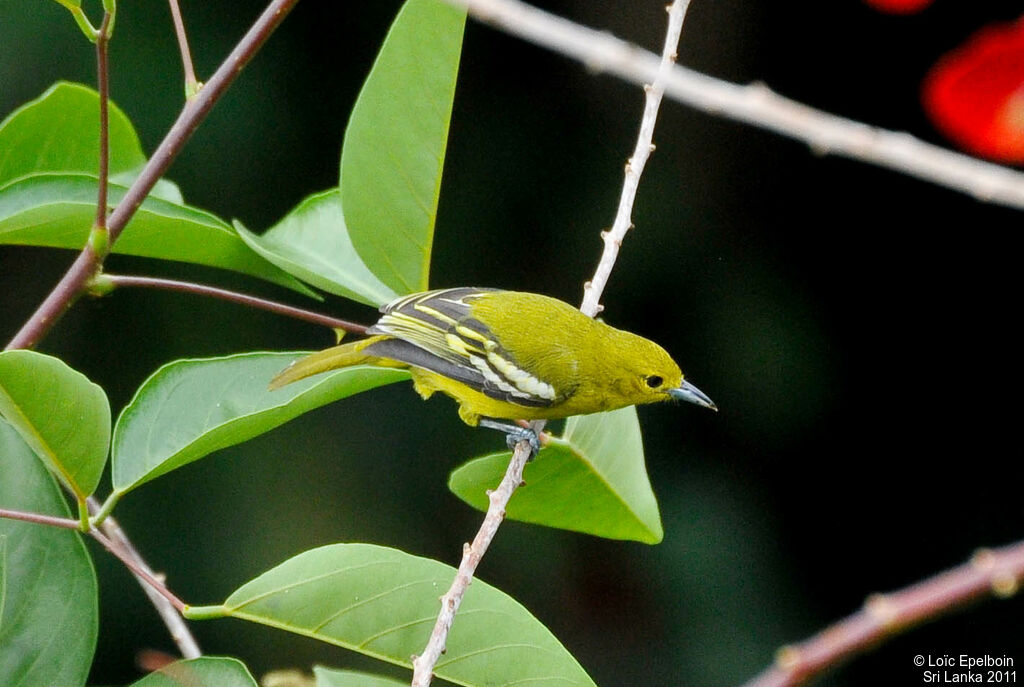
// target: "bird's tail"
[[333, 358]]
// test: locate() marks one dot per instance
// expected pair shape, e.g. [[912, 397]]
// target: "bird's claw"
[[514, 434], [517, 434]]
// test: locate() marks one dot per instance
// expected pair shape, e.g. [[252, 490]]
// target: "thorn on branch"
[[983, 560], [879, 607], [1005, 585], [787, 658]]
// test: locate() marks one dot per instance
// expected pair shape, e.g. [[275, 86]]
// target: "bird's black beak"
[[691, 394]]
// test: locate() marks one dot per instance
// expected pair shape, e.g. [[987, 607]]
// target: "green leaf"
[[394, 147], [57, 210], [383, 603], [48, 598], [3, 577], [190, 408], [313, 244], [208, 671], [592, 480], [59, 132], [59, 413], [327, 677]]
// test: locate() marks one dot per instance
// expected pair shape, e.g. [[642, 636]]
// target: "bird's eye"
[[654, 381]]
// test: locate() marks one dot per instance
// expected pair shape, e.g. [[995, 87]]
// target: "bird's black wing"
[[436, 331]]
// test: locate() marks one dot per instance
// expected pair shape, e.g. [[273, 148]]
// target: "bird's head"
[[652, 376]]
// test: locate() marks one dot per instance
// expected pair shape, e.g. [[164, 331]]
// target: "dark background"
[[853, 325]]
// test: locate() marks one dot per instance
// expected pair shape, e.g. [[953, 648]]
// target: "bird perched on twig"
[[507, 355]]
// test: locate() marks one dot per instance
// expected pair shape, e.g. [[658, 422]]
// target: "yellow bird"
[[507, 355]]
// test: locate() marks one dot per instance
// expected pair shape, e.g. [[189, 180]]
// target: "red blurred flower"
[[899, 6], [975, 94]]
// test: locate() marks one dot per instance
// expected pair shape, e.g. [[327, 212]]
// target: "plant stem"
[[40, 519], [167, 604], [191, 83], [88, 263], [140, 571], [103, 86], [119, 545], [997, 572], [119, 280]]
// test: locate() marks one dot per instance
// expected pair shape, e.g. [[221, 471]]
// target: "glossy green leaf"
[[326, 677], [394, 147], [59, 132], [57, 210], [383, 603], [208, 671], [60, 414], [313, 244], [190, 408], [592, 480], [48, 597]]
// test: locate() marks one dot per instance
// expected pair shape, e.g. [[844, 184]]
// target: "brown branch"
[[40, 519], [997, 572], [117, 544], [167, 604], [89, 262], [139, 571], [119, 280]]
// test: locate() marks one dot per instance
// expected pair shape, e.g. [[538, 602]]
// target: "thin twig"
[[997, 572], [40, 519], [120, 280], [103, 86], [757, 105], [166, 603], [424, 664], [114, 540], [593, 289], [140, 572], [191, 83], [88, 263]]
